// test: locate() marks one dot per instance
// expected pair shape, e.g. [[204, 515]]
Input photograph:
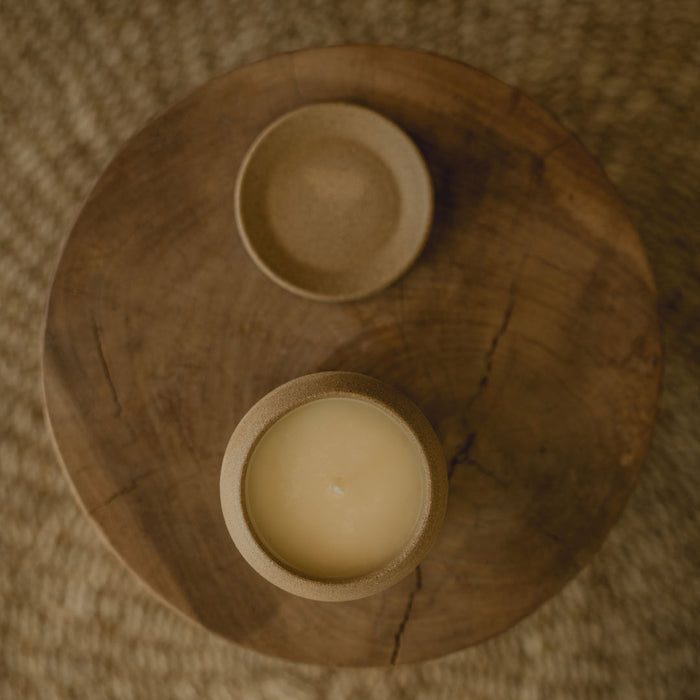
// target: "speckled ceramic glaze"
[[333, 201], [285, 399]]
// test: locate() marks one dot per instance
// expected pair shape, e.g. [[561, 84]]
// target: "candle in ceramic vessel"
[[335, 488]]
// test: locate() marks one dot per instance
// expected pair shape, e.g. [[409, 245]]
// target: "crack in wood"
[[406, 614], [461, 455], [486, 472], [105, 366], [636, 351], [552, 536], [488, 362], [131, 486], [507, 315]]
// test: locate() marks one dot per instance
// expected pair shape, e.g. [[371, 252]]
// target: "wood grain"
[[527, 332]]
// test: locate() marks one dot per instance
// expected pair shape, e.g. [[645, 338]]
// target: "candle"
[[335, 488]]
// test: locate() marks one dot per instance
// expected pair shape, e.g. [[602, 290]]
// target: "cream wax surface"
[[334, 488]]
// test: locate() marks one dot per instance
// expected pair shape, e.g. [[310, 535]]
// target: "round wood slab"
[[527, 332]]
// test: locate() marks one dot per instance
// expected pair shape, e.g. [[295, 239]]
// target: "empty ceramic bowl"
[[333, 201]]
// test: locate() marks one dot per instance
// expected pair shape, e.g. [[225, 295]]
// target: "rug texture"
[[77, 77]]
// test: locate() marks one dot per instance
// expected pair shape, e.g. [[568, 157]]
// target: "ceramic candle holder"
[[280, 403]]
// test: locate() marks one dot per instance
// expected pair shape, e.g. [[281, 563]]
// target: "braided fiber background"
[[78, 77]]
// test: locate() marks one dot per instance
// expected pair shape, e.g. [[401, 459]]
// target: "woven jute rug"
[[78, 77]]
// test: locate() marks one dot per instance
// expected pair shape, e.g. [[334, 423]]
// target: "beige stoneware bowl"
[[333, 201], [280, 402]]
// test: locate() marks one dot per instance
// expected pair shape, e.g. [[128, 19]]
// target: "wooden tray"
[[527, 332]]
